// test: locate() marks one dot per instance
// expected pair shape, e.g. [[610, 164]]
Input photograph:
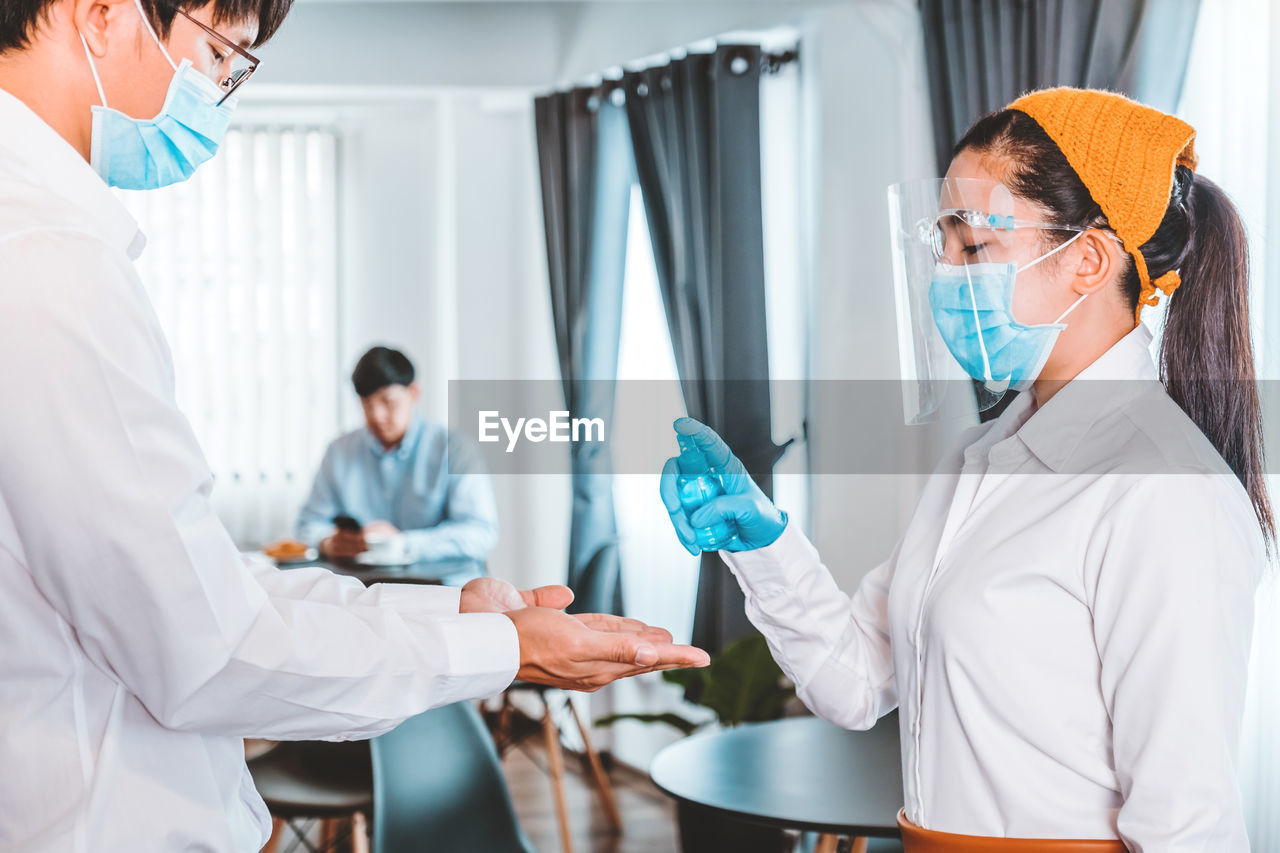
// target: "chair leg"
[[328, 833], [827, 844], [503, 737], [359, 833], [278, 827], [597, 771], [299, 833], [555, 761]]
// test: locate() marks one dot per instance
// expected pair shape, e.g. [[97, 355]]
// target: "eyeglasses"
[[932, 230], [243, 63]]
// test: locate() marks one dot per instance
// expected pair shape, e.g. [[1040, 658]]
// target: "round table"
[[798, 773]]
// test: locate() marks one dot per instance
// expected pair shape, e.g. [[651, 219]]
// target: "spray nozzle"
[[692, 459]]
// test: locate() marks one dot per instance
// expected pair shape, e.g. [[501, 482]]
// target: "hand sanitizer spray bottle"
[[695, 485]]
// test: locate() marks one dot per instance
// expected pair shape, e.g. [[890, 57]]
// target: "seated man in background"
[[399, 475]]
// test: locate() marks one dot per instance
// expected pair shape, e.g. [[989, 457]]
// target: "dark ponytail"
[[1206, 352]]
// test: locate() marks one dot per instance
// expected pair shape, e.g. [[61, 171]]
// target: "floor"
[[648, 817]]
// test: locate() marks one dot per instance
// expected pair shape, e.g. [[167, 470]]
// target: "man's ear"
[[1101, 259], [101, 21], [415, 392]]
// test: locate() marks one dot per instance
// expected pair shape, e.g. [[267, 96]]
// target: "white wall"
[[871, 129], [378, 45], [503, 312]]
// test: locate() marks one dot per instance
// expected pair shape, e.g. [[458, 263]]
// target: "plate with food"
[[290, 551]]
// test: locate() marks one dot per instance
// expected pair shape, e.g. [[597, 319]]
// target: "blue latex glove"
[[758, 521]]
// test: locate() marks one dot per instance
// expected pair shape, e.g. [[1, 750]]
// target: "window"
[[1226, 98], [241, 265], [659, 577]]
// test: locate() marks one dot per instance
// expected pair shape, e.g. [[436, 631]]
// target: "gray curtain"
[[587, 173], [982, 54], [695, 131]]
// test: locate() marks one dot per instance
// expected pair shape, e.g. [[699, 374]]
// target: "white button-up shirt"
[[1065, 625], [137, 647]]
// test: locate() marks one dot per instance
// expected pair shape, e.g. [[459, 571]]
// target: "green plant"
[[743, 684]]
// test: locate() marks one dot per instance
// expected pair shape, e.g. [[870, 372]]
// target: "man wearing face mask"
[[137, 647]]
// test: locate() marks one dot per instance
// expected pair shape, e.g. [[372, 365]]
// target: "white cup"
[[383, 547]]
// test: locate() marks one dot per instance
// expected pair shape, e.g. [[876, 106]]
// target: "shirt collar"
[[1119, 375], [37, 154], [405, 448]]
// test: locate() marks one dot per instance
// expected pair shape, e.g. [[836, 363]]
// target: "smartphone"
[[347, 523]]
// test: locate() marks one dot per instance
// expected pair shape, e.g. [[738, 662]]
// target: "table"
[[441, 572], [798, 773]]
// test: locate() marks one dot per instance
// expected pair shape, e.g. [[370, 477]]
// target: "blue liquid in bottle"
[[696, 484]]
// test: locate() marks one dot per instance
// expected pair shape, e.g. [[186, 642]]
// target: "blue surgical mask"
[[973, 309], [145, 154]]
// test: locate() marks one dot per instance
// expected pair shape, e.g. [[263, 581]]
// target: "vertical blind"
[[241, 264]]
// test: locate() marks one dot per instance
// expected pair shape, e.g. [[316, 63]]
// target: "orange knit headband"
[[1125, 153]]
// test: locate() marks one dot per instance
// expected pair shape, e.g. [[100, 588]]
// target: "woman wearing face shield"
[[1065, 625]]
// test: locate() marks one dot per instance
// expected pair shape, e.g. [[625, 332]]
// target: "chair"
[[305, 781], [438, 787], [506, 735], [332, 782]]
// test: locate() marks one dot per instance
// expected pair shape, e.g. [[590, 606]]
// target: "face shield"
[[958, 247]]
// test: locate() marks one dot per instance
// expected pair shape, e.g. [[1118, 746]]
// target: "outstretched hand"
[[584, 651], [491, 595]]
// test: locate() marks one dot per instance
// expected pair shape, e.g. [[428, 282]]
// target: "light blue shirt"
[[432, 486]]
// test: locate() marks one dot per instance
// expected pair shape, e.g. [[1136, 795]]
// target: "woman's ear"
[[1100, 261], [99, 21]]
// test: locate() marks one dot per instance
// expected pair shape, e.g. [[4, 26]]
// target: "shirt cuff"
[[415, 546], [481, 650], [419, 599], [774, 568], [483, 653]]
